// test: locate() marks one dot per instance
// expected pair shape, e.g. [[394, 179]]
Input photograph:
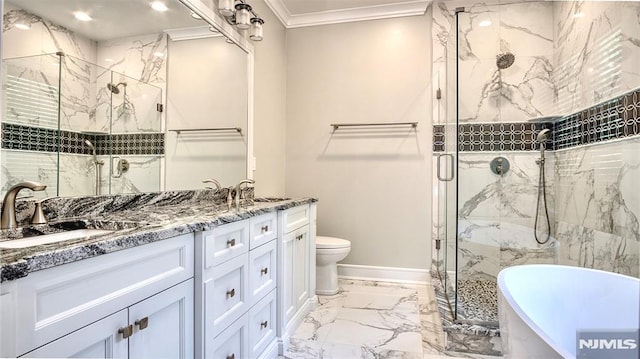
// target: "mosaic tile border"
[[613, 119], [438, 138], [38, 139]]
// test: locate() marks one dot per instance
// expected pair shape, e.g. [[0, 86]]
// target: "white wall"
[[270, 105], [374, 185]]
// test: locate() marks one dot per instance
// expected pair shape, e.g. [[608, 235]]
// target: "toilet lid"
[[331, 242]]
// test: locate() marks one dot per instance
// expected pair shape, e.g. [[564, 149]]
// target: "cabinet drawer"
[[62, 299], [232, 343], [262, 267], [296, 217], [263, 229], [225, 242], [262, 324], [226, 294]]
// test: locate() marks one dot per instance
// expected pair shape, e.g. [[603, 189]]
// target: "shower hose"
[[542, 192]]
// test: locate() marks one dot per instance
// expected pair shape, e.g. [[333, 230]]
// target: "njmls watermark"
[[598, 344]]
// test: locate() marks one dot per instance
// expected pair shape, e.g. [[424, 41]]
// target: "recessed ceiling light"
[[485, 23], [159, 6], [22, 26], [196, 16], [158, 54], [82, 16]]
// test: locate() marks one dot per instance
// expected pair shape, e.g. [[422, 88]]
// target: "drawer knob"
[[126, 331], [299, 237], [231, 242], [264, 270], [231, 356], [263, 325], [142, 323], [265, 228], [231, 293]]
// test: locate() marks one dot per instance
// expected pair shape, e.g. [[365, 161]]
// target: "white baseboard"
[[387, 274]]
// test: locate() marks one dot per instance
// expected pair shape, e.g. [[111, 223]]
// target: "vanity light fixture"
[[22, 26], [485, 23], [213, 29], [159, 6], [255, 31], [240, 14], [82, 16], [226, 8], [196, 16]]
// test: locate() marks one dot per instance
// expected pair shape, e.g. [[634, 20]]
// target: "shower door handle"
[[121, 165], [449, 158]]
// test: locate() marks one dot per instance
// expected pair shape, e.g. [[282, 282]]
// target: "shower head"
[[91, 146], [505, 60], [543, 136], [114, 88]]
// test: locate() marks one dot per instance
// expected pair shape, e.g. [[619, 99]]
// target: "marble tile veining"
[[369, 319]]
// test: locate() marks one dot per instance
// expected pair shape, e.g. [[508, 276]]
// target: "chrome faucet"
[[211, 180], [238, 190], [8, 219]]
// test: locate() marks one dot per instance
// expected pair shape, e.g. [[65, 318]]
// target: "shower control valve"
[[499, 166]]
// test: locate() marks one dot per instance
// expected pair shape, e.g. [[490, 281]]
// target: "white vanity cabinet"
[[235, 272], [159, 327], [133, 303], [296, 292]]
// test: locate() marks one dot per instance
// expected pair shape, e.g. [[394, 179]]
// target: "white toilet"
[[329, 251]]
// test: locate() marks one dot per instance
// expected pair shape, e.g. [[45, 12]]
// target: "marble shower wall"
[[557, 46], [597, 209], [85, 102], [598, 206], [497, 213], [596, 58], [140, 62]]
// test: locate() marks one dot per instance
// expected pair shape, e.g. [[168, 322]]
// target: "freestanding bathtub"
[[542, 306]]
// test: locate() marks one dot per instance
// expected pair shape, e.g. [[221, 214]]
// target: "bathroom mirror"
[[108, 69]]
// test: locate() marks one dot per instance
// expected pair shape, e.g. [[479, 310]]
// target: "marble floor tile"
[[369, 319]]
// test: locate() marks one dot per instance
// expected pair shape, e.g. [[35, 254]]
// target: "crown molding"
[[408, 8]]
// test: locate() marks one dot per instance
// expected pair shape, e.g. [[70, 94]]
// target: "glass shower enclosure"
[[79, 128], [487, 217]]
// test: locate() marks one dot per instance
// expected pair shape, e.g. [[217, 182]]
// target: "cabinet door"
[[301, 267], [97, 340], [288, 253], [163, 324]]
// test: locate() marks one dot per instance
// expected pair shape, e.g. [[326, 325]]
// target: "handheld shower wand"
[[97, 163], [542, 138]]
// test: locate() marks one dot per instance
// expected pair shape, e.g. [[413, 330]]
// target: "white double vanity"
[[235, 289]]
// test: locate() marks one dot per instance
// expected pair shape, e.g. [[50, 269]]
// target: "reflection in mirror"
[[207, 113], [86, 98]]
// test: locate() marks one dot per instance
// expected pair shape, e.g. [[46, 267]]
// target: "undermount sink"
[[39, 234], [52, 238]]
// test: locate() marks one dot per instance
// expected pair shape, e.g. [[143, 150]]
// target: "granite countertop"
[[141, 222]]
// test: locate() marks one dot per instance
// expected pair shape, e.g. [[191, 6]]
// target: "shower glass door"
[[478, 212]]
